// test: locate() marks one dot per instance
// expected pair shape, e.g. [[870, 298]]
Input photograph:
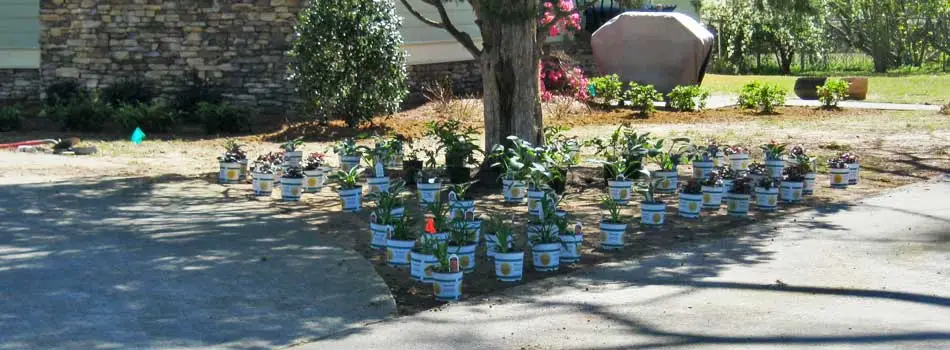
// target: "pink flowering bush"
[[560, 15], [557, 78]]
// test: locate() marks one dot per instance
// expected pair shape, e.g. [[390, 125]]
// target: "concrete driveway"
[[171, 263], [873, 275]]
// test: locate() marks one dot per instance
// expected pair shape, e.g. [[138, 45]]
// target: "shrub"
[[85, 112], [561, 78], [642, 97], [688, 98], [130, 91], [224, 118], [11, 118], [763, 97], [63, 91], [348, 59], [156, 117], [607, 88], [834, 91], [196, 90]]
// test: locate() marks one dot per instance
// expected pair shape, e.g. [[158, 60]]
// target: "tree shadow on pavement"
[[172, 262]]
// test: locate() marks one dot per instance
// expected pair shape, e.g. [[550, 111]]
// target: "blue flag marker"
[[137, 136]]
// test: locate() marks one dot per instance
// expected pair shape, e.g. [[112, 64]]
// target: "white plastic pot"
[[420, 266], [396, 161], [571, 248], [352, 199], [712, 197], [378, 235], [620, 191], [690, 205], [739, 161], [720, 160], [702, 169], [514, 190], [809, 188], [839, 177], [313, 181], [263, 184], [293, 158], [775, 167], [242, 178], [475, 226], [612, 235], [466, 254], [229, 173], [727, 184], [534, 201], [854, 173], [378, 184], [668, 181], [397, 212], [441, 237], [652, 214], [428, 192], [491, 241], [397, 252], [459, 208], [291, 189], [766, 199], [738, 204], [349, 162], [534, 229], [546, 256], [791, 191], [509, 267], [447, 286]]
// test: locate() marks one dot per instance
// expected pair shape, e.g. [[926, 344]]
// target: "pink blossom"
[[566, 5], [548, 18], [554, 31], [548, 5]]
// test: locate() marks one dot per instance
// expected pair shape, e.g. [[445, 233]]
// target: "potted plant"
[[291, 183], [429, 182], [462, 243], [492, 226], [766, 194], [515, 163], [546, 245], [349, 153], [620, 188], [738, 157], [773, 158], [509, 258], [446, 275], [854, 168], [559, 154], [538, 179], [706, 159], [400, 241], [412, 165], [799, 157], [669, 160], [840, 174], [232, 164], [757, 171], [422, 258], [652, 210], [572, 238], [624, 146], [313, 171], [377, 157], [460, 202], [396, 150], [792, 186], [691, 199], [737, 200], [351, 190], [262, 176], [713, 190], [291, 155], [728, 176], [389, 209], [460, 146], [612, 227]]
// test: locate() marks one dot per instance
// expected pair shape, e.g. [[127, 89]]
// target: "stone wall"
[[19, 86], [465, 76]]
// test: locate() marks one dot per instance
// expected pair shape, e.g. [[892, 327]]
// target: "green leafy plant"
[[11, 118], [539, 178], [647, 188], [132, 91], [742, 185], [773, 150], [440, 215], [404, 228], [760, 96], [224, 117], [63, 91], [613, 210], [81, 112], [155, 117], [767, 182], [503, 232], [692, 186], [380, 153], [714, 178], [625, 146], [796, 172], [679, 151], [756, 168], [346, 147], [431, 172], [293, 172], [688, 98], [460, 233], [833, 91], [515, 160], [347, 179], [442, 255], [642, 97], [458, 142], [607, 89], [426, 244], [347, 59], [292, 145], [195, 90], [314, 161], [265, 164], [388, 200], [711, 151], [736, 149], [234, 152]]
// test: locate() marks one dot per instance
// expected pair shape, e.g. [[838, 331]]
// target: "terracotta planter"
[[857, 88]]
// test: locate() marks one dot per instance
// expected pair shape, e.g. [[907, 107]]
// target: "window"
[[19, 34]]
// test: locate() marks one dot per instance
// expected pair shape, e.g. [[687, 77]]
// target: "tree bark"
[[510, 81]]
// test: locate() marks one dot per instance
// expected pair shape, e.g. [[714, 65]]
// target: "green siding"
[[19, 33]]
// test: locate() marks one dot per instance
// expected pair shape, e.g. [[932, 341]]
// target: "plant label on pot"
[[578, 228], [373, 218], [453, 197], [454, 263], [379, 169]]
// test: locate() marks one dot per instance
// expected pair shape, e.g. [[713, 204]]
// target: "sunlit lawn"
[[934, 89]]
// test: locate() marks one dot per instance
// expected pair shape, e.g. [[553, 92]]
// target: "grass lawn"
[[933, 89]]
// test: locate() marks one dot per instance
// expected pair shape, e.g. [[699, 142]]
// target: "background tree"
[[347, 59]]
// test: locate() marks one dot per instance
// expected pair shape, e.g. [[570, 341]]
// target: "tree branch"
[[462, 37], [420, 17]]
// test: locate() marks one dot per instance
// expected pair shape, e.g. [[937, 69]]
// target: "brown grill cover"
[[665, 49]]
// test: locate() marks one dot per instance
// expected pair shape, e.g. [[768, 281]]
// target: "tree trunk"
[[510, 81]]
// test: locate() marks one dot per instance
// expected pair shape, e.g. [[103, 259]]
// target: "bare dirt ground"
[[897, 148]]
